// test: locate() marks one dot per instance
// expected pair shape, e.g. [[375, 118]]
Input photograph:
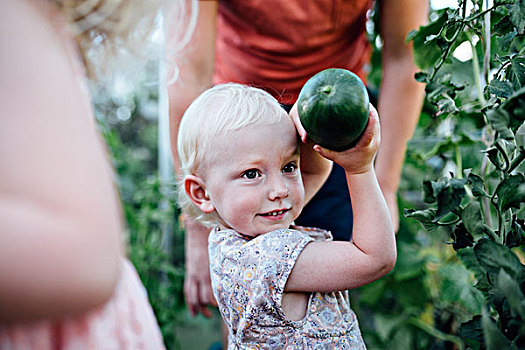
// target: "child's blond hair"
[[222, 108]]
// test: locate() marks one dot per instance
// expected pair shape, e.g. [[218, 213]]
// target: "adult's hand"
[[197, 282]]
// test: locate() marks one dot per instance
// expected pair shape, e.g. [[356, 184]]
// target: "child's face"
[[253, 178]]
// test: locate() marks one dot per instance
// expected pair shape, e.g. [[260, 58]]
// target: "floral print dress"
[[248, 278]]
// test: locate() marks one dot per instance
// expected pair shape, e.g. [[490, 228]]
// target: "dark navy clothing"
[[330, 208]]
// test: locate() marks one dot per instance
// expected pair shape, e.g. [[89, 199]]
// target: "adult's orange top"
[[279, 44]]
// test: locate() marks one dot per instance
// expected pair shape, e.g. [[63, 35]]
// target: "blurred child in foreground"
[[65, 281]]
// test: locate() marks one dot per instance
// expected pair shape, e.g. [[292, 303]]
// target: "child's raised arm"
[[314, 167], [331, 266]]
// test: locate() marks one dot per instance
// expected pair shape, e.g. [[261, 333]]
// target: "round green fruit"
[[333, 107]]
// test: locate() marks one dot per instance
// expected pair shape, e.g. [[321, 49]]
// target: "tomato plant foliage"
[[482, 103]]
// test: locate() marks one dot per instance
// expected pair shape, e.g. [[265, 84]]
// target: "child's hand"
[[297, 122], [358, 159]]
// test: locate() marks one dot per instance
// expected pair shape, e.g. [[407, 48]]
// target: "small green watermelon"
[[333, 106]]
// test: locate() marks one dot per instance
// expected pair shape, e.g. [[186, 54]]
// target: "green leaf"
[[505, 39], [483, 284], [511, 192], [432, 331], [445, 105], [493, 256], [421, 77], [476, 184], [428, 192], [516, 72], [441, 147], [472, 218], [517, 15], [472, 330], [462, 238], [500, 88], [427, 41], [425, 217], [511, 290], [410, 294], [494, 339], [516, 236], [449, 196], [456, 287], [402, 339], [520, 136], [386, 324], [500, 121], [501, 24], [410, 264], [515, 106], [447, 192], [492, 155], [468, 258]]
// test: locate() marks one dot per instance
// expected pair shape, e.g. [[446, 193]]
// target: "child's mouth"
[[275, 214]]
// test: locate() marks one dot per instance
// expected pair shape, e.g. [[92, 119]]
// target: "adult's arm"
[[60, 221], [400, 96], [195, 66]]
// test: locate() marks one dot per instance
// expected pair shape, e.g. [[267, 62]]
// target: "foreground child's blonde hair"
[[105, 29], [222, 108]]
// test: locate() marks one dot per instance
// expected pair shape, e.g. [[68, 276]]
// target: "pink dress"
[[125, 322]]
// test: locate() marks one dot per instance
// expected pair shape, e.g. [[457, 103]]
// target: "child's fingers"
[[372, 130], [370, 135], [297, 122], [377, 124], [325, 152]]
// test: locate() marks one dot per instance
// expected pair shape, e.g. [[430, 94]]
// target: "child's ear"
[[195, 189]]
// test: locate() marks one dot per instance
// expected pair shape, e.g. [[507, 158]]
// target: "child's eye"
[[251, 174], [290, 167]]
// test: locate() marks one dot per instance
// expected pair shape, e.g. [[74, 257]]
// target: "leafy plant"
[[129, 125], [480, 105]]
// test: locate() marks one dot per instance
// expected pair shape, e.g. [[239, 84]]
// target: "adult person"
[[64, 279], [277, 45]]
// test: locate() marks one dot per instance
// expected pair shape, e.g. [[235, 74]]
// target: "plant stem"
[[485, 204], [435, 332], [517, 161], [459, 161], [479, 14], [452, 41], [492, 234], [477, 73], [501, 226], [448, 223], [504, 155], [486, 33], [500, 69]]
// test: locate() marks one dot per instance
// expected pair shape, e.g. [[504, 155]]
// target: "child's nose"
[[278, 189]]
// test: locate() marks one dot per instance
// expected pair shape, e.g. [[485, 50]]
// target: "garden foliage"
[[128, 121], [481, 102]]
